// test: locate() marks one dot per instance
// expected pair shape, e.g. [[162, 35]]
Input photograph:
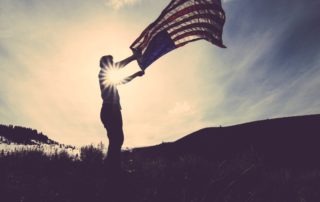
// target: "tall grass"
[[33, 175]]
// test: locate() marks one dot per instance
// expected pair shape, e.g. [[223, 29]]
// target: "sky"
[[49, 54]]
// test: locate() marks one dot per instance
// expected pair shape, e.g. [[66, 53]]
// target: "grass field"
[[32, 175]]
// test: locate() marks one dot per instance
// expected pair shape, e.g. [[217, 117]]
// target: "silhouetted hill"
[[292, 141], [22, 135]]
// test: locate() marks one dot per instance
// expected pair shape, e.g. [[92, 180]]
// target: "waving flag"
[[181, 22]]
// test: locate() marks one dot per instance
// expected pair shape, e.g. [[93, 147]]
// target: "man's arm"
[[126, 61], [133, 76]]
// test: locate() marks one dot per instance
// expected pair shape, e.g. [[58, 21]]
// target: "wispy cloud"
[[180, 108], [271, 67], [117, 4]]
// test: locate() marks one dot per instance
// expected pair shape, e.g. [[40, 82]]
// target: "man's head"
[[106, 61]]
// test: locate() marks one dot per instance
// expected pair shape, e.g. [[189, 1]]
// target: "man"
[[110, 115]]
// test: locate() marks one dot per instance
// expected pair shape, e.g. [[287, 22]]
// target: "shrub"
[[92, 155]]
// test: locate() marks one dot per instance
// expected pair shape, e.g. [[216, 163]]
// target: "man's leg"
[[114, 149], [116, 138]]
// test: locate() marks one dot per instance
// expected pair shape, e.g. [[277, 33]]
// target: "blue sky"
[[49, 52]]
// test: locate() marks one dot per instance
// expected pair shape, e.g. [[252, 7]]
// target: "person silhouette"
[[110, 114]]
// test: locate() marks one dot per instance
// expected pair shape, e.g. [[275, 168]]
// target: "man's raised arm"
[[133, 76]]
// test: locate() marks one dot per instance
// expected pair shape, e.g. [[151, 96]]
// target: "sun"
[[113, 75]]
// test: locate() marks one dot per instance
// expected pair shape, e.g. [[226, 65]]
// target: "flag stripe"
[[175, 4], [170, 9], [193, 31], [207, 26], [197, 35], [198, 18], [176, 9], [184, 41], [163, 13], [191, 9]]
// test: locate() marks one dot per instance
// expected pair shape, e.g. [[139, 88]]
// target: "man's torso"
[[109, 93]]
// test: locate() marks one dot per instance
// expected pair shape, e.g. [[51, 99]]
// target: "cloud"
[[180, 108], [117, 4], [271, 67]]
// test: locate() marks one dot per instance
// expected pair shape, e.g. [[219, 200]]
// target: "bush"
[[92, 155]]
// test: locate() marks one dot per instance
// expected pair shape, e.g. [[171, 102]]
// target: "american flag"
[[181, 22]]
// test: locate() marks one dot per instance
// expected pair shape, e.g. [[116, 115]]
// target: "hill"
[[23, 135], [291, 141], [14, 138]]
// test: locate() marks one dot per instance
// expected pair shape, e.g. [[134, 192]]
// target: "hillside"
[[292, 141], [22, 135], [17, 138]]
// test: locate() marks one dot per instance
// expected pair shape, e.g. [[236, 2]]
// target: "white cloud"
[[117, 4], [180, 108]]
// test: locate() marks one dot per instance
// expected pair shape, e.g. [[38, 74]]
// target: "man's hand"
[[140, 73], [130, 78]]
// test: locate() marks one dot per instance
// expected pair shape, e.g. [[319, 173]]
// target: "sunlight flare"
[[113, 75]]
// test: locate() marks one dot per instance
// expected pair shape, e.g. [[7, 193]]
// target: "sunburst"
[[112, 75]]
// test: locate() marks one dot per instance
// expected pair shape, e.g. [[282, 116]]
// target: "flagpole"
[[126, 61]]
